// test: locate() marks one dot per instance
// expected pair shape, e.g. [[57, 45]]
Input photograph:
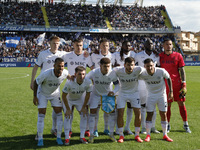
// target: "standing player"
[[96, 57], [139, 59], [154, 79], [49, 89], [73, 95], [74, 59], [173, 62], [128, 77], [102, 78], [119, 61], [46, 61]]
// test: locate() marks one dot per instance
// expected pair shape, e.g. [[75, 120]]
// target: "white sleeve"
[[39, 60], [41, 78], [89, 87], [166, 74], [66, 88], [89, 62]]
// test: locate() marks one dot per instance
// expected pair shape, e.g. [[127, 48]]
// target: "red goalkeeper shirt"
[[172, 63]]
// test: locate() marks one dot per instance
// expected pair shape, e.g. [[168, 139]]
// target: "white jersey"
[[74, 60], [128, 82], [101, 82], [46, 59], [141, 56], [75, 91], [49, 84], [155, 83], [118, 59], [97, 57]]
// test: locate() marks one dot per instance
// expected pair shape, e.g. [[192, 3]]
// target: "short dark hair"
[[54, 37], [104, 40], [105, 61], [129, 60], [58, 60], [79, 68], [166, 40], [148, 60], [78, 40]]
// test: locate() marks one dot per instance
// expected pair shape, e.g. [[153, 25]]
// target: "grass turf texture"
[[18, 119]]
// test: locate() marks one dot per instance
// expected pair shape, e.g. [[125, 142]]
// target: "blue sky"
[[183, 13]]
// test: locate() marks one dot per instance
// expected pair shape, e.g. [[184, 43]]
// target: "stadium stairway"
[[45, 17]]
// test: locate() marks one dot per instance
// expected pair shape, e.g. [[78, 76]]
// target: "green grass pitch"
[[18, 119]]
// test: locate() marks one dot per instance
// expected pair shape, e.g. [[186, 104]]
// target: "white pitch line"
[[24, 76]]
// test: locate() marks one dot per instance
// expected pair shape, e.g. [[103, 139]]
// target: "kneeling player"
[[73, 96], [49, 89], [154, 80]]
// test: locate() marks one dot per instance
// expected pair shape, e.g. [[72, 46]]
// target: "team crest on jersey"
[[108, 103], [71, 63], [96, 82], [49, 61]]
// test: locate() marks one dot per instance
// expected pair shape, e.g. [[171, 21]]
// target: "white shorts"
[[77, 103], [134, 99], [43, 100], [153, 100], [94, 101]]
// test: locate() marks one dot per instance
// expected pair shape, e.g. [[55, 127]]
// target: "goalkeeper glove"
[[183, 90]]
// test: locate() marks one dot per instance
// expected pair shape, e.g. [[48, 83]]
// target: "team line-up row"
[[141, 87]]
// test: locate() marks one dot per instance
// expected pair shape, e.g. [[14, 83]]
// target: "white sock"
[[40, 125], [129, 116], [92, 123], [71, 119], [96, 119], [164, 127], [137, 131], [83, 123], [53, 120], [148, 127], [121, 131], [185, 123], [59, 124], [112, 122], [143, 117], [154, 119], [105, 116], [67, 127], [87, 126]]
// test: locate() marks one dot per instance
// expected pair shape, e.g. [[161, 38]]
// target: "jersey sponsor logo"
[[77, 63], [128, 80], [54, 84], [168, 62], [153, 82], [77, 92], [102, 82]]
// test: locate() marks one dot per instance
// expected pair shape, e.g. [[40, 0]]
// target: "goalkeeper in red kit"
[[173, 62]]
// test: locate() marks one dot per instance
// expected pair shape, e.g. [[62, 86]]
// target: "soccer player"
[[154, 79], [47, 87], [96, 57], [46, 61], [139, 59], [102, 78], [173, 62], [73, 95], [74, 59], [119, 61], [128, 77]]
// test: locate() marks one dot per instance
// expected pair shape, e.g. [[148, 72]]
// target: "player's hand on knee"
[[68, 113], [83, 111]]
